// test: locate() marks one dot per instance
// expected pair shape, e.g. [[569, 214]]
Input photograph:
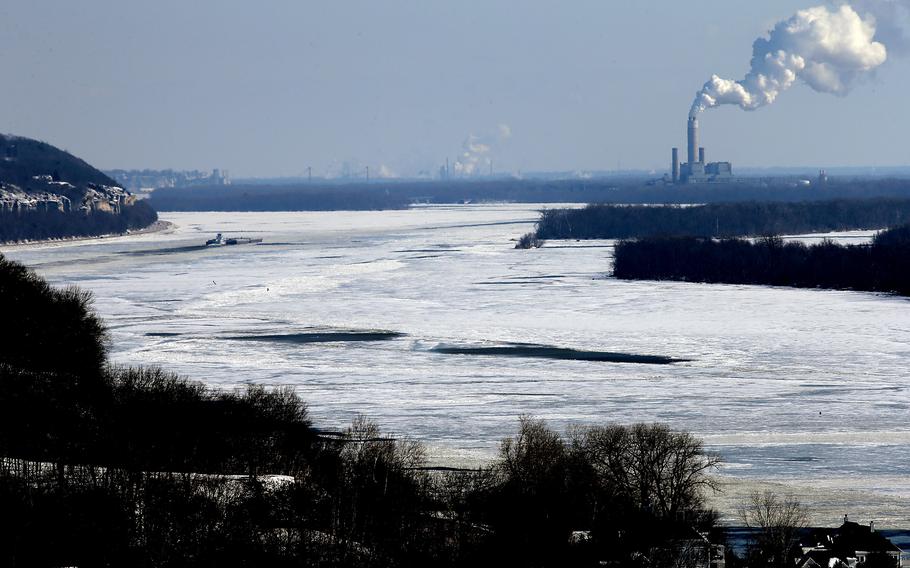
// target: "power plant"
[[696, 170]]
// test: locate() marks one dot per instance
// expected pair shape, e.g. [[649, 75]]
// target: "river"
[[799, 387]]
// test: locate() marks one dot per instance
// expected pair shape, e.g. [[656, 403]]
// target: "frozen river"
[[785, 384]]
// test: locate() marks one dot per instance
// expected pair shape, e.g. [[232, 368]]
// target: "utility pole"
[[368, 174], [309, 173]]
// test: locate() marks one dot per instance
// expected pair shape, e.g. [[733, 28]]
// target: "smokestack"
[[701, 155], [693, 138], [674, 168]]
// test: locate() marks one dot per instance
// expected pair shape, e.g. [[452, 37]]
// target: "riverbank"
[[827, 500], [158, 226]]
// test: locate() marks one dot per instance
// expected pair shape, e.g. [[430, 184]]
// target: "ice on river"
[[785, 384]]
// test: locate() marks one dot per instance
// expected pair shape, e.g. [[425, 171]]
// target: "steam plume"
[[892, 19], [829, 48], [475, 151]]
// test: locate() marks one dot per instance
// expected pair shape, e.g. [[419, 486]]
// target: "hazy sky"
[[269, 88]]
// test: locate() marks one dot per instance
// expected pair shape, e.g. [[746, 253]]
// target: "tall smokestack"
[[693, 138], [701, 155], [674, 168]]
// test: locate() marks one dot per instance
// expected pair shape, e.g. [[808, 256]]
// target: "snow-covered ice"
[[784, 383]]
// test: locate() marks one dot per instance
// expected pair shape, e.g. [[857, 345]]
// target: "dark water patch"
[[851, 390], [330, 257], [162, 334], [542, 277], [440, 468], [509, 283], [558, 353], [320, 337], [491, 224], [523, 394], [549, 246], [434, 250], [163, 251], [524, 280]]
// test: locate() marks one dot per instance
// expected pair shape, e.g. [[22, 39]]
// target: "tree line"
[[721, 220], [297, 197], [882, 266], [55, 224], [319, 195]]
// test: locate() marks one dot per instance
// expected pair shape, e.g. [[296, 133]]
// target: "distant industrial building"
[[146, 180], [696, 169]]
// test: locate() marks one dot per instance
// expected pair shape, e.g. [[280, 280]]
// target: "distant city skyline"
[[400, 87]]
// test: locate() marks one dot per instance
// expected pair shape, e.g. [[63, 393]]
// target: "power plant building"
[[696, 169]]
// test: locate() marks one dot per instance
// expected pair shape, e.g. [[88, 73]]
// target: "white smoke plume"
[[475, 151], [385, 172], [827, 47], [892, 20]]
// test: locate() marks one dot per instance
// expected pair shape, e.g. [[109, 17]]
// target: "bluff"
[[46, 193]]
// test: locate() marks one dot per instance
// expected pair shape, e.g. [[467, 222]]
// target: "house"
[[692, 549], [849, 545]]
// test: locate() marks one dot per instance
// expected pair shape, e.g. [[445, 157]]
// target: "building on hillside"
[[850, 545]]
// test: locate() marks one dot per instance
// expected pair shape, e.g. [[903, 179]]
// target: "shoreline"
[[827, 501], [156, 227]]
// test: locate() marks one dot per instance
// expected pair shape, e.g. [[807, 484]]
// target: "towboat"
[[220, 241]]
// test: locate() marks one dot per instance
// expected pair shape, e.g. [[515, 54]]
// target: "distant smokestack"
[[674, 167], [701, 155], [693, 138]]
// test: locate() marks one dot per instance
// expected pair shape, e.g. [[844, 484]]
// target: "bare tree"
[[535, 454], [658, 470], [777, 521]]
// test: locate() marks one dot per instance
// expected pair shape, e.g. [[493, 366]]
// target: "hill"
[[22, 158], [46, 193]]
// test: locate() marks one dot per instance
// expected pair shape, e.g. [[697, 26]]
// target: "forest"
[[752, 218], [882, 266], [103, 465]]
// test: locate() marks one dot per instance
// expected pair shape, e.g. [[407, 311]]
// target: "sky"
[[267, 89]]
